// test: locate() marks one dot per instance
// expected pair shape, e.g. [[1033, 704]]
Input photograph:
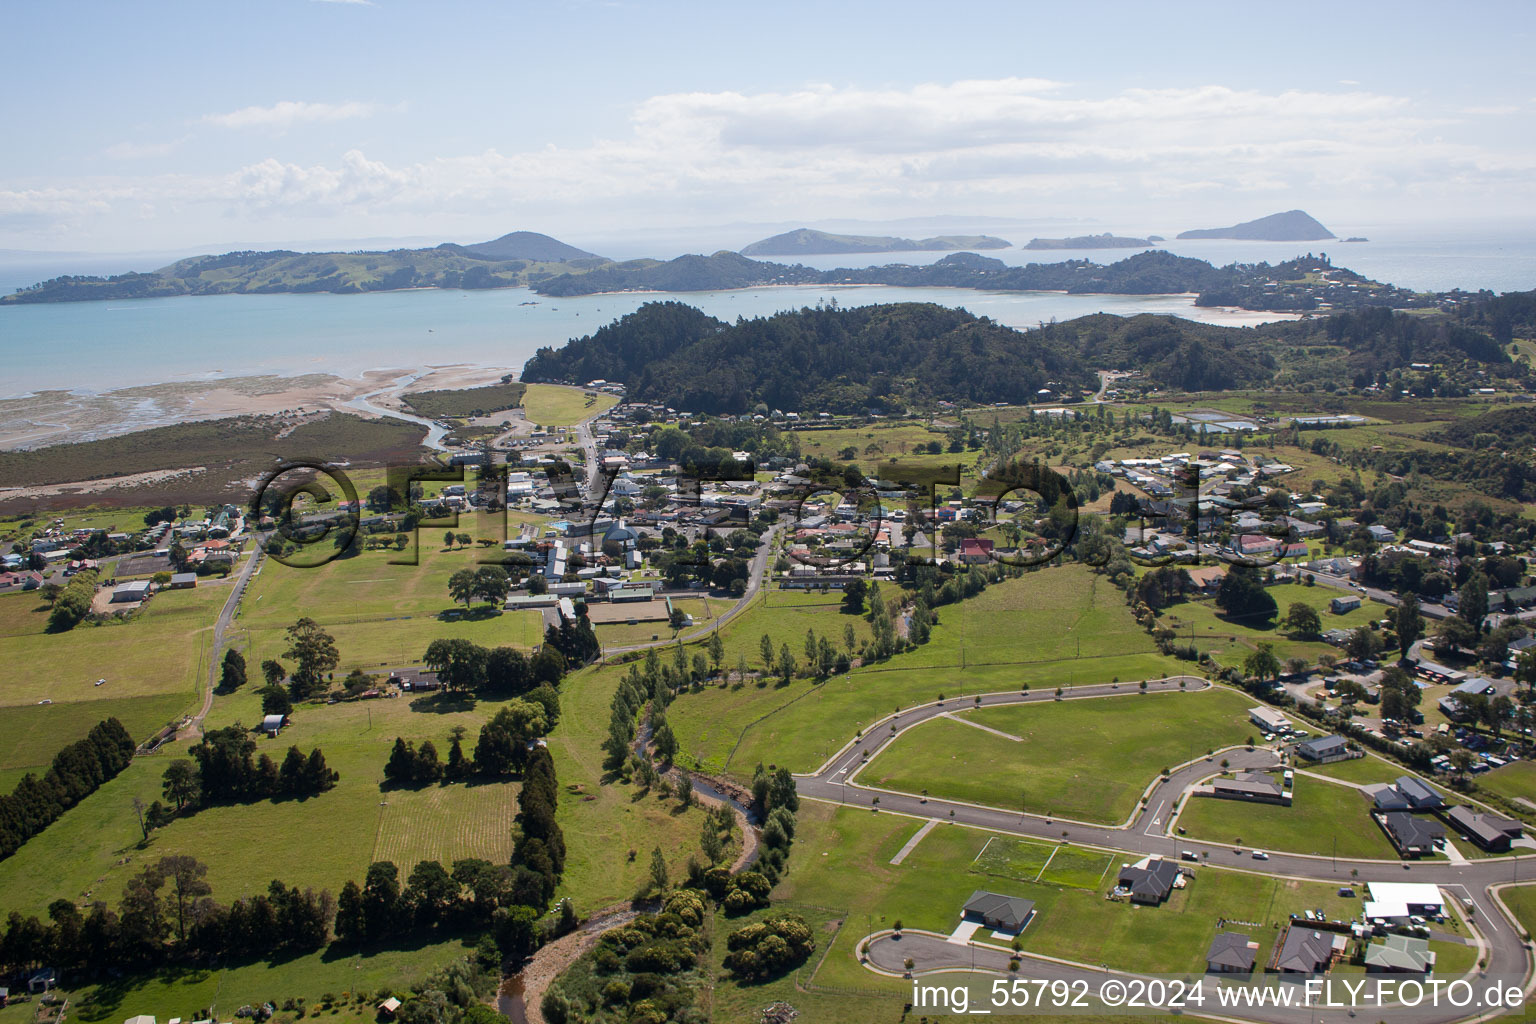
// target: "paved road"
[[194, 727], [1147, 832]]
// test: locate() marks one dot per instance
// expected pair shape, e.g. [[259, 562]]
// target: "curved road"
[[1147, 832]]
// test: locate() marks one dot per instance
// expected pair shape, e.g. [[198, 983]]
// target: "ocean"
[[99, 346]]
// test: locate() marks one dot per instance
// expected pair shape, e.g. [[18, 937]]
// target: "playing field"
[[1322, 815], [1087, 760], [551, 405]]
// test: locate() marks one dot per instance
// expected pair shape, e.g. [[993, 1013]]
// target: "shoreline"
[[55, 416]]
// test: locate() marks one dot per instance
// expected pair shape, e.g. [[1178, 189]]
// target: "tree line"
[[76, 772]]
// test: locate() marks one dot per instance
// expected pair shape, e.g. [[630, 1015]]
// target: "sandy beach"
[[61, 417]]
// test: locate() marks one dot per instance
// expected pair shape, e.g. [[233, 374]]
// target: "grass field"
[[1515, 781], [554, 406], [841, 860], [1321, 814], [1230, 641], [1024, 861], [153, 665], [1088, 760]]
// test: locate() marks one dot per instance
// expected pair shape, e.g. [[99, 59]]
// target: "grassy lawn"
[[1366, 770], [153, 664], [1320, 814], [1087, 760], [1230, 640], [1515, 780], [552, 405], [184, 991]]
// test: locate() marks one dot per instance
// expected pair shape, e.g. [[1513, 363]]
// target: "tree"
[[665, 742], [492, 583], [1242, 595], [463, 539], [786, 663], [460, 664], [274, 701], [1302, 619], [1408, 622], [462, 587], [659, 878], [180, 783], [401, 766], [233, 673], [853, 597], [716, 649], [709, 841], [1455, 632], [1474, 599], [448, 539], [537, 584], [765, 648], [186, 888], [507, 670], [1262, 663], [1362, 644], [1461, 762], [273, 672], [1399, 694], [850, 639], [314, 651]]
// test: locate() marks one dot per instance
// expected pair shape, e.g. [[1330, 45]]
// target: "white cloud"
[[284, 115]]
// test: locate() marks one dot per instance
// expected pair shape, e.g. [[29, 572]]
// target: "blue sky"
[[163, 125]]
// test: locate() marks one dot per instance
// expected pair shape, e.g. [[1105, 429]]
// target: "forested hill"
[[888, 357], [827, 359]]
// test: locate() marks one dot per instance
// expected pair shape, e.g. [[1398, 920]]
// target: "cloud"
[[284, 115], [1008, 145]]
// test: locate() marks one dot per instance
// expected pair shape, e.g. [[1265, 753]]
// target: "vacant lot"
[[1232, 640], [1087, 760], [1322, 815], [1515, 781]]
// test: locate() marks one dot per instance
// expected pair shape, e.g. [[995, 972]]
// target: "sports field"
[[554, 406], [1087, 760]]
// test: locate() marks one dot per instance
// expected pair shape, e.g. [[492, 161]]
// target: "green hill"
[[1291, 226]]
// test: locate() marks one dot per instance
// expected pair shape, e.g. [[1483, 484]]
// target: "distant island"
[[1356, 238], [1104, 241], [809, 242], [1291, 226]]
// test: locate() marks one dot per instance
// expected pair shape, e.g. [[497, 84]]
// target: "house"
[[389, 1007], [1305, 951], [1255, 786], [1492, 832], [183, 581], [1268, 719], [1255, 544], [42, 979], [1413, 837], [273, 724], [1324, 749], [1231, 953], [1407, 793], [975, 551], [998, 912], [1380, 534], [1340, 605], [1399, 954], [137, 590], [1149, 880]]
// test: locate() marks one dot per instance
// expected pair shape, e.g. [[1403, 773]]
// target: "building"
[[1399, 954], [1268, 719], [183, 581], [1260, 787], [42, 979], [1149, 880], [1451, 704], [975, 551], [1397, 902], [1324, 749], [136, 590], [142, 1018], [998, 912], [1413, 837], [1231, 953], [389, 1007], [1492, 832], [273, 724], [1305, 951], [1340, 605], [1407, 793]]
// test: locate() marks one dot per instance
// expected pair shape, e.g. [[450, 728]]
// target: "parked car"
[[1260, 855]]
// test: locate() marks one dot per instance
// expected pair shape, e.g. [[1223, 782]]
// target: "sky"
[[167, 125]]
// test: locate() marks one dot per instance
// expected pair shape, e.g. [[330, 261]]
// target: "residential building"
[[1324, 749], [1491, 832], [1149, 880], [1268, 719], [1231, 953], [1399, 954], [1305, 951], [1260, 787], [998, 912], [1340, 605], [1413, 836]]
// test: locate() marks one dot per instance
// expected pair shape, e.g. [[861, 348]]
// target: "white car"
[[1260, 855]]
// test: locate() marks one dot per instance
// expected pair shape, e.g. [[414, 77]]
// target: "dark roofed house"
[[1489, 831], [1323, 749], [1389, 798], [1304, 951], [1149, 880], [998, 912], [1413, 837], [1231, 953], [1257, 786]]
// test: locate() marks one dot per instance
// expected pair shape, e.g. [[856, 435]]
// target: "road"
[[194, 727], [1147, 831]]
